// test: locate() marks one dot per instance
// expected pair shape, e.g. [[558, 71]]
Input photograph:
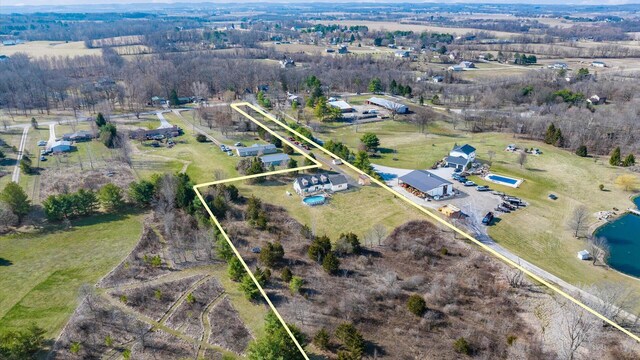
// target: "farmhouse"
[[61, 146], [461, 156], [456, 68], [401, 54], [389, 105], [598, 64], [309, 184], [342, 105], [78, 136], [256, 149], [424, 183], [559, 66], [274, 159]]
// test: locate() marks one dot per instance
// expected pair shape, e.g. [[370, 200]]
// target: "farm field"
[[393, 26], [50, 48], [550, 244], [46, 267]]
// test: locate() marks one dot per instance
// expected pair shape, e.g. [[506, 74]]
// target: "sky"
[[76, 2]]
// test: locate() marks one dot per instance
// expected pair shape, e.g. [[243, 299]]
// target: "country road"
[[15, 177]]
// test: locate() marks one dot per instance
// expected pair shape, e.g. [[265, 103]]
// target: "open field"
[[45, 268], [50, 48], [320, 49], [539, 233], [393, 26]]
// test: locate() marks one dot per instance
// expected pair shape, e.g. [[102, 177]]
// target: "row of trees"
[[617, 160]]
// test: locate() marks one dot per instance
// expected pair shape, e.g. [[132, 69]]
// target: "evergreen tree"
[[110, 197], [615, 158], [559, 139], [370, 141], [581, 151], [173, 98], [630, 160], [375, 85], [17, 200], [235, 269], [331, 263], [550, 136], [100, 120]]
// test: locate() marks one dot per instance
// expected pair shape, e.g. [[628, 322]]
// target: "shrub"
[[416, 305], [286, 274], [331, 263], [351, 339], [581, 151], [249, 288], [321, 340], [235, 269], [201, 138], [444, 251], [272, 254], [319, 248], [295, 285], [110, 197], [601, 187], [511, 339], [461, 346]]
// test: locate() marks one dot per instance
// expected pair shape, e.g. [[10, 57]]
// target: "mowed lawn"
[[357, 210], [538, 233], [41, 272]]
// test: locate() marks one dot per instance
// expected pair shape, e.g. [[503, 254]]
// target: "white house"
[[401, 54], [461, 156], [309, 184], [599, 64], [456, 68], [467, 65], [426, 183], [256, 149]]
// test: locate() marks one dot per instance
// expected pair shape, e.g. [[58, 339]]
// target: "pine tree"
[[559, 139], [630, 160], [550, 136], [581, 151], [615, 158]]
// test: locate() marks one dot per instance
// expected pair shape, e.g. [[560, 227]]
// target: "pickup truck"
[[487, 218]]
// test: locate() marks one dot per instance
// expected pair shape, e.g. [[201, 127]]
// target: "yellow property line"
[[386, 187]]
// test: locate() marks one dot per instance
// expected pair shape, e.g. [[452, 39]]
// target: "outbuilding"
[[61, 146], [342, 105], [389, 105], [584, 255], [256, 149], [424, 183], [274, 159]]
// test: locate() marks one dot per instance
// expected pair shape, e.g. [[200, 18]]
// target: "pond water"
[[623, 236]]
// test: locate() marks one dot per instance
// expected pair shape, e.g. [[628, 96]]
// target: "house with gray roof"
[[424, 183], [256, 149], [389, 105], [81, 135], [461, 156], [61, 146], [274, 159], [310, 184]]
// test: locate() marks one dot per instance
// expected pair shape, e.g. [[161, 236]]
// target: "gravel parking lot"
[[475, 204]]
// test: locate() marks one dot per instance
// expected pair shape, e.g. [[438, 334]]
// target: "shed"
[[424, 183], [364, 180], [389, 105], [584, 255], [342, 105]]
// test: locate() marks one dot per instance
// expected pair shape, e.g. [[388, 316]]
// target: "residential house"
[[256, 149], [424, 183], [156, 101], [461, 156], [401, 54], [558, 66], [274, 159], [156, 134], [389, 105], [437, 79], [79, 136], [342, 50], [599, 64], [287, 63], [342, 105], [467, 65], [61, 146], [309, 184], [456, 68]]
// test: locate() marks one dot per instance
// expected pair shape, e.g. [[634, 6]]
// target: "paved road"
[[15, 177], [163, 122], [52, 135]]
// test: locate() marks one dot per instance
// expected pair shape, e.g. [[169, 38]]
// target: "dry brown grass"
[[50, 48]]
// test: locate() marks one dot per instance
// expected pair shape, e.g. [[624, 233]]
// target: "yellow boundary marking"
[[237, 106]]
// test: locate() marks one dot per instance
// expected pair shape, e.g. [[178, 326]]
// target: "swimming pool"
[[314, 200], [504, 180]]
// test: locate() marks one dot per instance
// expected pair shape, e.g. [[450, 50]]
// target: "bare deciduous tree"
[[599, 249], [576, 326], [522, 158], [578, 220]]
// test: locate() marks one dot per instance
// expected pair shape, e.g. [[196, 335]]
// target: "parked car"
[[462, 179], [42, 158], [482, 188], [488, 218], [230, 153], [238, 144], [469, 183], [255, 250], [42, 143], [553, 197]]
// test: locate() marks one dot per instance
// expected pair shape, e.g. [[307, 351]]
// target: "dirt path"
[[206, 324], [23, 142]]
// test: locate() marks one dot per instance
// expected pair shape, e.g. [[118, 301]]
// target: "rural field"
[[399, 26], [38, 49]]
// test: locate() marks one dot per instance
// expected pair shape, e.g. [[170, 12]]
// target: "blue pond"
[[623, 236], [503, 179], [314, 200]]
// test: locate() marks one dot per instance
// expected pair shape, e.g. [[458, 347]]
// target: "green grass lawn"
[[538, 233], [42, 271]]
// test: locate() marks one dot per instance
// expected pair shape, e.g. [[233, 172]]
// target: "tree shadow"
[[8, 162], [536, 170], [385, 150], [5, 262]]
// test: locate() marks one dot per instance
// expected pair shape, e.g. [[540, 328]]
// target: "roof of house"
[[385, 103], [338, 179], [305, 181], [255, 147], [423, 180], [341, 104], [457, 160], [274, 158], [61, 143], [466, 148]]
